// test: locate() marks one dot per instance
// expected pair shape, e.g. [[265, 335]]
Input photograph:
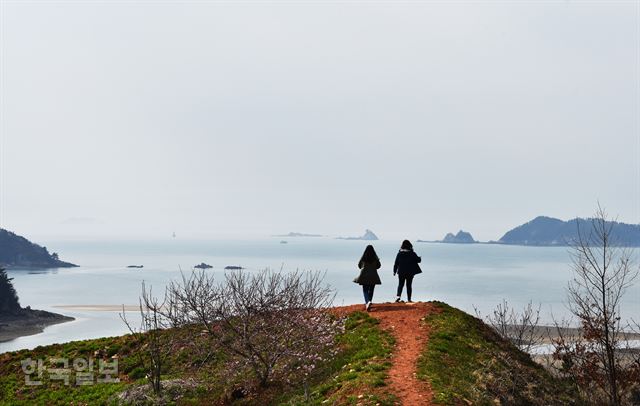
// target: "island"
[[367, 236], [202, 265], [135, 266], [462, 237], [549, 231], [16, 321], [294, 234], [233, 268], [18, 252]]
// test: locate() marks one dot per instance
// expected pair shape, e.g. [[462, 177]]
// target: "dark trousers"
[[367, 290], [401, 280]]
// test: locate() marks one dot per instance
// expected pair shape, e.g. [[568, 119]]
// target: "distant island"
[[367, 236], [202, 265], [549, 231], [16, 321], [18, 252], [293, 234], [545, 231], [462, 237]]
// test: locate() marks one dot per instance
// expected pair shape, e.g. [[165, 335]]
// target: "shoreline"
[[28, 322], [547, 334], [99, 307]]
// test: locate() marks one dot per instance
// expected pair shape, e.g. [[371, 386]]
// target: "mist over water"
[[465, 276]]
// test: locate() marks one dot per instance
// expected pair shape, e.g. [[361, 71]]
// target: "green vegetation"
[[17, 251], [8, 297], [14, 391], [465, 361], [469, 363], [355, 375]]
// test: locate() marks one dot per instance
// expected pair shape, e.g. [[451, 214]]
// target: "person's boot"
[[398, 300]]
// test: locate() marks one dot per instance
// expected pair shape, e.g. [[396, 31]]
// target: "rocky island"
[[18, 252], [462, 237], [367, 236]]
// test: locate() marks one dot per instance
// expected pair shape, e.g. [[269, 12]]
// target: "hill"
[[548, 231], [421, 353], [17, 251]]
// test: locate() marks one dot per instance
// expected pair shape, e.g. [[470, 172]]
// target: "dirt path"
[[403, 320]]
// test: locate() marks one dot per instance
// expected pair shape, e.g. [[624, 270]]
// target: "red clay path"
[[403, 320]]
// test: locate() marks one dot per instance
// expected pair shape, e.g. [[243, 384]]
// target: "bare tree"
[[157, 344], [273, 323], [602, 272], [521, 328]]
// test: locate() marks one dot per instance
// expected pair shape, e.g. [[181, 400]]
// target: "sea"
[[472, 277]]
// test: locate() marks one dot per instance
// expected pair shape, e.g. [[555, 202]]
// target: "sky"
[[244, 119]]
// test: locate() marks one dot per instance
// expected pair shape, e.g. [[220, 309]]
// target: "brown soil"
[[403, 320]]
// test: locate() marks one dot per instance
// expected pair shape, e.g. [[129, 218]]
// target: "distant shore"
[[547, 334], [99, 307], [28, 322]]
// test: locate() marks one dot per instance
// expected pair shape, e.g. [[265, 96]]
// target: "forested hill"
[[548, 231], [17, 251]]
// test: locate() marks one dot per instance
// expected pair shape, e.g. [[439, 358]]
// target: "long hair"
[[369, 255], [406, 245]]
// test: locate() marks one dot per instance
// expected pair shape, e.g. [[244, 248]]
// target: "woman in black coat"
[[368, 278], [406, 266]]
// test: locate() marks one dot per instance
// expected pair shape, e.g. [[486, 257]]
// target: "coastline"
[[28, 322], [99, 307]]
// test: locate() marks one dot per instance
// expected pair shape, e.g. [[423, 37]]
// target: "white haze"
[[138, 119]]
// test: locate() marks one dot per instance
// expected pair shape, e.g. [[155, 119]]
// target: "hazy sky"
[[134, 120]]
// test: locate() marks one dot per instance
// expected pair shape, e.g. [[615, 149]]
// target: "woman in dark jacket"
[[368, 278], [406, 266]]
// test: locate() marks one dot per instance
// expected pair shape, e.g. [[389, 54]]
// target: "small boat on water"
[[233, 268], [203, 266], [135, 266]]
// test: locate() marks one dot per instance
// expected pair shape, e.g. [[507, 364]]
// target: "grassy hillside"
[[468, 363], [356, 375], [464, 361]]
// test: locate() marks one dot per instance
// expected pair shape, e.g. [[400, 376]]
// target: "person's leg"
[[400, 286], [409, 287], [368, 295], [371, 288]]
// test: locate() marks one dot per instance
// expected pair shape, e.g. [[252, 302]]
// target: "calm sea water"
[[465, 276]]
